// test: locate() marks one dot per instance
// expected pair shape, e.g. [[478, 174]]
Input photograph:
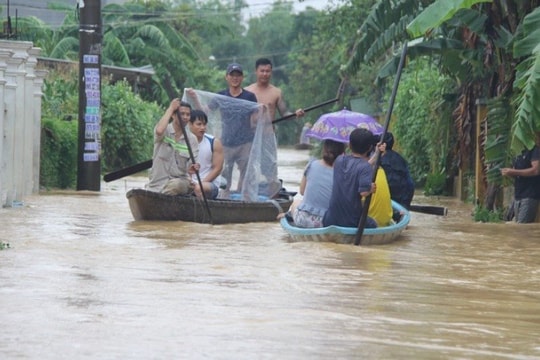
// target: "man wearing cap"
[[238, 130], [238, 121]]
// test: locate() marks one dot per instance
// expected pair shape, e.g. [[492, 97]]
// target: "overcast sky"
[[256, 7]]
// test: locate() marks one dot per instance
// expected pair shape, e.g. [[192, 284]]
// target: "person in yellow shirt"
[[380, 207]]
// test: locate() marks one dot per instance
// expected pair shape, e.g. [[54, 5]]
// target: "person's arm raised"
[[164, 121], [191, 94]]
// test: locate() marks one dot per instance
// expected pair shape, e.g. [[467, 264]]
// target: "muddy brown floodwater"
[[82, 280]]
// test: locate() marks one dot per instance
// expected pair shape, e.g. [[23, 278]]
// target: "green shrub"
[[484, 215], [127, 127], [59, 113], [58, 162], [422, 121], [61, 95], [435, 185]]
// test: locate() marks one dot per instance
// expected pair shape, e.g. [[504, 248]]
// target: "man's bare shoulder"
[[251, 87], [269, 91]]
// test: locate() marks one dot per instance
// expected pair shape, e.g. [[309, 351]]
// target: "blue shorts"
[[214, 191]]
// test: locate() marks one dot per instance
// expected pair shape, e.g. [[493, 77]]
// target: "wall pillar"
[[18, 72], [11, 129], [28, 114], [17, 106], [36, 155], [4, 131]]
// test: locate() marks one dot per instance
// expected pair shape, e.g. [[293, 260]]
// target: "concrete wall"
[[20, 116]]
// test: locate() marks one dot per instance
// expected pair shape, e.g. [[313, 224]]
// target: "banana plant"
[[527, 83], [479, 43]]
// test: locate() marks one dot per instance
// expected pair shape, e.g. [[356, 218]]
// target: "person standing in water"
[[526, 174]]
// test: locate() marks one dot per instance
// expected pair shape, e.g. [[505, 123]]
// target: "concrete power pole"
[[90, 36]]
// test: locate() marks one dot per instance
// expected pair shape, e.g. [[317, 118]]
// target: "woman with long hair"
[[316, 187]]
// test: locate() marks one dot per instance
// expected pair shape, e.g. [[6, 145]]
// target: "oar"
[[429, 209], [192, 158], [287, 117], [337, 98], [363, 216], [118, 174]]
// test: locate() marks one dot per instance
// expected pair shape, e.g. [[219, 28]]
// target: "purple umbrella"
[[338, 125]]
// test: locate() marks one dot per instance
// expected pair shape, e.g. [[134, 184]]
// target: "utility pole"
[[89, 160]]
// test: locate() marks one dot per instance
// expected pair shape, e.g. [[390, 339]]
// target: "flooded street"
[[82, 280]]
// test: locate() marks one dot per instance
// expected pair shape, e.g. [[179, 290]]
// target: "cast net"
[[249, 144]]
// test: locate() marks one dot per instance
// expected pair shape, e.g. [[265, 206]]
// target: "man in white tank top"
[[210, 156]]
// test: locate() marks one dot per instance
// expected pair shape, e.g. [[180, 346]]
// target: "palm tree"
[[135, 36], [61, 43]]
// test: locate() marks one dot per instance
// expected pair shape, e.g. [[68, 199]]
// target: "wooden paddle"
[[118, 174], [307, 109], [429, 209], [365, 207]]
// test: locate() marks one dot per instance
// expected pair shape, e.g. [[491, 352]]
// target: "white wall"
[[20, 119]]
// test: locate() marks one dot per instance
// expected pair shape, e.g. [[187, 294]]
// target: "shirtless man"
[[270, 96], [267, 93]]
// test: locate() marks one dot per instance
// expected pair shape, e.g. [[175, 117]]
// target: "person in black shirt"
[[526, 174], [397, 173]]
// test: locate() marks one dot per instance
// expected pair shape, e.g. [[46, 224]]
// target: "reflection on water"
[[83, 280]]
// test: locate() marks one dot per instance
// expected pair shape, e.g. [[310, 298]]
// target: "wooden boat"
[[346, 235], [148, 205]]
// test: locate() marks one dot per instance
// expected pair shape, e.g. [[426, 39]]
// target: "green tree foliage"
[[481, 214], [316, 60], [33, 29], [59, 43], [421, 126], [58, 163], [221, 26], [138, 34], [527, 46], [127, 127], [472, 41], [59, 111], [271, 36], [281, 35]]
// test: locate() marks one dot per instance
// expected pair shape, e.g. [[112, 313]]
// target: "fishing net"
[[249, 144]]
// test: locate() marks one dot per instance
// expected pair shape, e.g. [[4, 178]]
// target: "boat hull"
[[148, 205], [347, 235]]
